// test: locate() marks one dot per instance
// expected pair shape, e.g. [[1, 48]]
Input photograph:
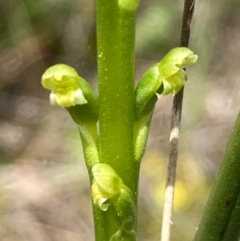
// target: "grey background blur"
[[43, 181]]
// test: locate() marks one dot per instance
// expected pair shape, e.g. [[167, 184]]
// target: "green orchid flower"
[[108, 188], [165, 77], [171, 69], [63, 81], [106, 184]]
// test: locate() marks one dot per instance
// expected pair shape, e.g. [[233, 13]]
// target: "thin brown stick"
[[175, 127]]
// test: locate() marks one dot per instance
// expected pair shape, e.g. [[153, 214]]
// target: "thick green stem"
[[115, 43], [115, 35], [222, 206]]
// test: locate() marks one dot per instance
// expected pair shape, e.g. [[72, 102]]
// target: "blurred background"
[[44, 189]]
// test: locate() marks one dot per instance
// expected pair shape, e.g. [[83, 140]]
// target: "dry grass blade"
[[175, 127]]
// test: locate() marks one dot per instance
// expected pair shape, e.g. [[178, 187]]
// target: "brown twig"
[[175, 127]]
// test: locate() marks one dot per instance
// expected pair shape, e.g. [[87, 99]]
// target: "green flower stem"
[[115, 43], [222, 206], [88, 133], [115, 34], [87, 127]]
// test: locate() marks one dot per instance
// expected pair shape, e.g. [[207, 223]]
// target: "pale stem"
[[175, 127]]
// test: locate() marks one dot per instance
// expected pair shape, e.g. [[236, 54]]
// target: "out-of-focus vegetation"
[[43, 181]]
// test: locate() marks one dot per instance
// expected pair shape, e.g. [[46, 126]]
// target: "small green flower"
[[64, 83], [163, 78], [171, 69], [106, 184]]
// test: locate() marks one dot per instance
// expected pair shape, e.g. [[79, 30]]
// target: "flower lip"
[[189, 60], [79, 97]]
